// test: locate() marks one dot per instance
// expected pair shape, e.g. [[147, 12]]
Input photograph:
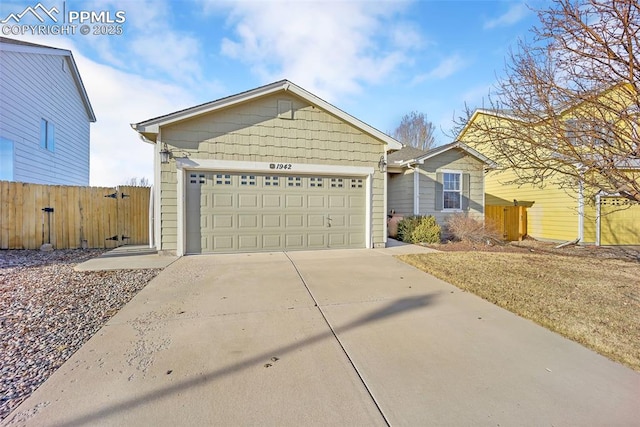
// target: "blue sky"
[[376, 60]]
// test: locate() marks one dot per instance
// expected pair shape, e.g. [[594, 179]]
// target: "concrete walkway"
[[341, 337], [127, 258]]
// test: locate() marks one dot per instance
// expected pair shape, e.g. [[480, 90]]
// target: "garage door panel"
[[292, 221], [337, 201], [241, 212], [294, 200], [294, 241], [272, 241], [315, 221], [219, 201], [356, 220], [356, 239], [316, 241], [337, 240], [337, 221], [356, 202], [271, 220], [316, 201], [272, 201], [247, 201], [248, 243], [219, 243], [247, 221], [221, 221]]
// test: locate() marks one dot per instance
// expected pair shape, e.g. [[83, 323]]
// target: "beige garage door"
[[620, 221], [231, 212]]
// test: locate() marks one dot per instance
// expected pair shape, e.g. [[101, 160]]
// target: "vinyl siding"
[[451, 160], [400, 192], [401, 186], [553, 214], [33, 87], [254, 132]]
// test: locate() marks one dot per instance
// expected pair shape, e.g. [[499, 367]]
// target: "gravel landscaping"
[[48, 311]]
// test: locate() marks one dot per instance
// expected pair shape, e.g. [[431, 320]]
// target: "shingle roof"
[[405, 154]]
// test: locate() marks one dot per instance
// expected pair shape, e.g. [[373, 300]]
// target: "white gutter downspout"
[[598, 220], [385, 176], [157, 186], [580, 211], [152, 243], [416, 189]]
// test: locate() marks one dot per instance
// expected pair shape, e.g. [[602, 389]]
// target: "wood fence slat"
[[511, 221], [5, 206], [79, 213]]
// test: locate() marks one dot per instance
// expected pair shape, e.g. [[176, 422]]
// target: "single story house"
[[270, 169], [439, 182]]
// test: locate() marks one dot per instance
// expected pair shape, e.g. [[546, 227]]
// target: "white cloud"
[[444, 69], [118, 99], [149, 45], [329, 48], [512, 16]]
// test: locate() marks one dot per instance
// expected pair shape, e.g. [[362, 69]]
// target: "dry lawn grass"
[[594, 301]]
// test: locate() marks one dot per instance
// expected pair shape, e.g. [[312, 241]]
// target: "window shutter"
[[466, 191], [438, 200]]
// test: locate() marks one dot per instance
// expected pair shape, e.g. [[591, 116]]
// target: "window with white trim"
[[47, 135], [452, 190]]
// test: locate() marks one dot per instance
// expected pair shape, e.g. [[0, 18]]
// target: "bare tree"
[[416, 131], [138, 182], [567, 110]]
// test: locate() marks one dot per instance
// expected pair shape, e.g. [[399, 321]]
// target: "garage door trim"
[[189, 164]]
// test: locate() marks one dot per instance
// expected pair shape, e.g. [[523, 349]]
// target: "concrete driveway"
[[343, 337]]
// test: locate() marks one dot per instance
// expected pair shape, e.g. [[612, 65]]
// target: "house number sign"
[[280, 166]]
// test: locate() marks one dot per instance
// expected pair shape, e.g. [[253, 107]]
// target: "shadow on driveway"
[[392, 309]]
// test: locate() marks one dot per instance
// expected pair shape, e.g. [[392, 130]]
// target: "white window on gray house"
[[6, 160], [452, 190], [47, 135]]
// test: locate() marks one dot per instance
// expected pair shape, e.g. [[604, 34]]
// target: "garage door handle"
[[328, 221]]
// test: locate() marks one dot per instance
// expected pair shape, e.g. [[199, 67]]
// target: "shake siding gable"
[[401, 186], [252, 131], [36, 87], [451, 160]]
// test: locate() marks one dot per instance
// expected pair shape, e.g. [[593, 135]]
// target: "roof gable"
[[11, 45], [150, 128], [410, 156]]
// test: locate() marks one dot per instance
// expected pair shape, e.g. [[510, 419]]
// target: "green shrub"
[[419, 229]]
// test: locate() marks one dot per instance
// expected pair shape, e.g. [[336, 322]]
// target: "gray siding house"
[[442, 181], [45, 115], [270, 169]]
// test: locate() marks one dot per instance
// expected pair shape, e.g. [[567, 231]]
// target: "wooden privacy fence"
[[511, 221], [72, 217]]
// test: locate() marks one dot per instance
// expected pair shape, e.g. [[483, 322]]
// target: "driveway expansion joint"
[[344, 350]]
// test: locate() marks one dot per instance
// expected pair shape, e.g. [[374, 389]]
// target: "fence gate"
[[511, 221], [72, 217]]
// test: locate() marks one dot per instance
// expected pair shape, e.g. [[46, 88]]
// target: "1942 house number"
[[280, 166]]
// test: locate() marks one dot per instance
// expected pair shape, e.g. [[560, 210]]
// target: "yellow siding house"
[[555, 211]]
